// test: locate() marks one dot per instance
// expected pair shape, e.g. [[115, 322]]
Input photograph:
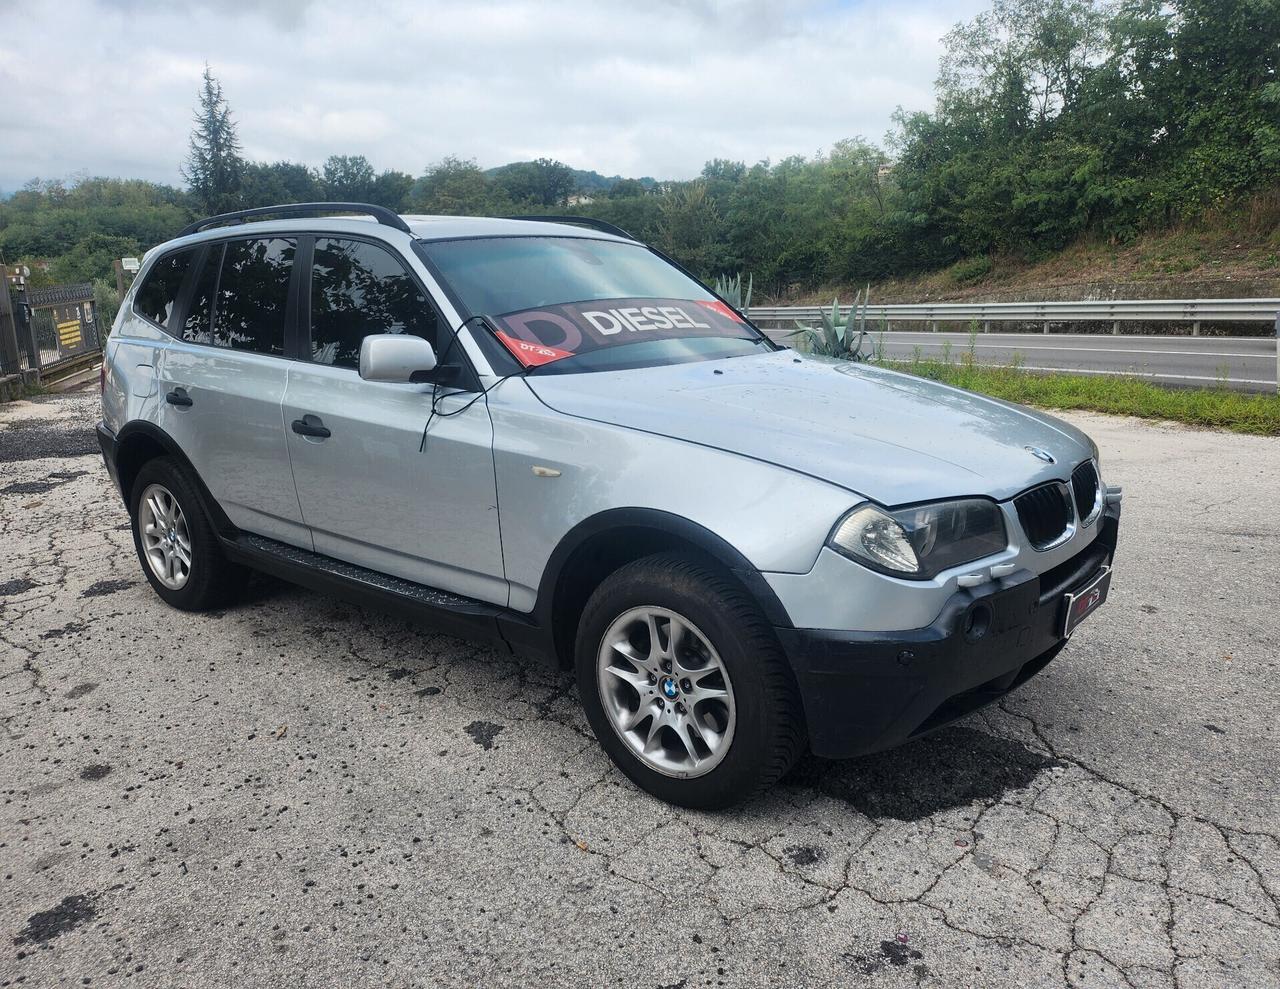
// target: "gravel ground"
[[299, 792]]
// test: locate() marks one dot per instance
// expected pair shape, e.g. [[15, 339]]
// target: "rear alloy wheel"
[[176, 544], [166, 542], [685, 684]]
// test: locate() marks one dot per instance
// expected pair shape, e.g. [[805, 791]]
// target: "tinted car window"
[[571, 304], [253, 294], [155, 299], [195, 326], [358, 289], [496, 275]]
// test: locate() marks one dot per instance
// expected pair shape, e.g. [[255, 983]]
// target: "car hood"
[[891, 437]]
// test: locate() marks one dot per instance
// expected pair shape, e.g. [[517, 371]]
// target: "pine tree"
[[214, 168]]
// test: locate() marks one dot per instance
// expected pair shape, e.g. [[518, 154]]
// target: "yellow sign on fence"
[[69, 333]]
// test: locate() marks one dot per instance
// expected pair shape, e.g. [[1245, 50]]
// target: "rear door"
[[222, 382], [376, 487]]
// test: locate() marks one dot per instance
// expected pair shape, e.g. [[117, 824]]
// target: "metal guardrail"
[[1114, 311]]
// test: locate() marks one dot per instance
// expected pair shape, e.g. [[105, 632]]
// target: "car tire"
[[175, 540], [708, 751]]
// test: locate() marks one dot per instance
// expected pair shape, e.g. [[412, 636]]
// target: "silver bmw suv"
[[541, 433]]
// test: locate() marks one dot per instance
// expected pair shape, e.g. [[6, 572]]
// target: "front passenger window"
[[358, 289]]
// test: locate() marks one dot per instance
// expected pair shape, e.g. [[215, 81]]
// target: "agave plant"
[[841, 338], [729, 288]]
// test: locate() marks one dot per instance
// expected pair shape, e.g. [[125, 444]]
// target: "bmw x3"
[[543, 434]]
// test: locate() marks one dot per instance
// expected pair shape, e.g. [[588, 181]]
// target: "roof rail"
[[388, 218], [582, 221]]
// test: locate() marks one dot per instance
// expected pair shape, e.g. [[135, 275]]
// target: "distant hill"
[[586, 180]]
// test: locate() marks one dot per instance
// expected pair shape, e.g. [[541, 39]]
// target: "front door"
[[372, 491]]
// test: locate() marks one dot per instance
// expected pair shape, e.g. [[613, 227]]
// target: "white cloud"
[[651, 88]]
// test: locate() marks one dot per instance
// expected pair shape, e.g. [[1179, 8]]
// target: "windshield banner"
[[552, 333]]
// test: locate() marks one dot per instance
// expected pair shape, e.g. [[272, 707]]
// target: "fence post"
[[1195, 328], [10, 361], [1046, 326], [27, 334], [1115, 327], [1278, 353]]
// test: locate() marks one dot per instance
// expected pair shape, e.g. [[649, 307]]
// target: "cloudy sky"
[[647, 87]]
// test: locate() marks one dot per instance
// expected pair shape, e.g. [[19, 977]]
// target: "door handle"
[[179, 397], [310, 425]]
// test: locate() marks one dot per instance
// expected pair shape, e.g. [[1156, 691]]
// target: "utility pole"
[[119, 266]]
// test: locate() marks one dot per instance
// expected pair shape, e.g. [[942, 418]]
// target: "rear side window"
[[195, 326], [253, 295], [157, 296], [358, 289]]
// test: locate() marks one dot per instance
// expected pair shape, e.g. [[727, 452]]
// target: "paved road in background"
[[297, 792], [1246, 363]]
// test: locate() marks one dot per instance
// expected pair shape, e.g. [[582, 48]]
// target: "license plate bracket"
[[1084, 602]]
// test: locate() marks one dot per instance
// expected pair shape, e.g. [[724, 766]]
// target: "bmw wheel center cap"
[[670, 689]]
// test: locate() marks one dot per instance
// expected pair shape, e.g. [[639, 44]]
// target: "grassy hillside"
[[1234, 255]]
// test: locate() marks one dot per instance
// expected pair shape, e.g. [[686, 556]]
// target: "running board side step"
[[443, 611]]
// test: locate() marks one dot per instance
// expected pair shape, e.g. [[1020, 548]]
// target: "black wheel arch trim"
[[140, 427], [699, 536]]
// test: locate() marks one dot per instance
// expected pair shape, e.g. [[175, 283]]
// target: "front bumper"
[[867, 691]]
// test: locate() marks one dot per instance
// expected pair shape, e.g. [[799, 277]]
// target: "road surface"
[[298, 792], [1244, 363]]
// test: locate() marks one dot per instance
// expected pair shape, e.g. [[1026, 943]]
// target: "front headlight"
[[920, 542]]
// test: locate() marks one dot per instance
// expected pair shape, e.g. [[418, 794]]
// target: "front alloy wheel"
[[666, 692], [685, 684]]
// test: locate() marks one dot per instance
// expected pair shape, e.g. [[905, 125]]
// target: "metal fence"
[[48, 329], [1044, 315]]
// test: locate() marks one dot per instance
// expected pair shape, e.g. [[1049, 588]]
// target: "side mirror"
[[396, 357]]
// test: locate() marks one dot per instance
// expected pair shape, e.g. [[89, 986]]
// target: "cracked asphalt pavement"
[[300, 792]]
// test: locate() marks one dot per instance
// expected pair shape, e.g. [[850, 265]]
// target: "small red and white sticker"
[[716, 306], [532, 354]]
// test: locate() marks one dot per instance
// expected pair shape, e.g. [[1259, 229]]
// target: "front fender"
[[763, 517]]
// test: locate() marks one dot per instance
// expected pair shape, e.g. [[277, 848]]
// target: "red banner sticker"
[[532, 354], [552, 333]]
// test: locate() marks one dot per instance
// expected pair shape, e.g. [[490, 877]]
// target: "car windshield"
[[583, 304]]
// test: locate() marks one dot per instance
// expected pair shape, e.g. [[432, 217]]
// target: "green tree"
[[348, 178], [391, 189], [214, 167], [688, 226], [278, 183], [627, 189], [540, 183], [456, 187]]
